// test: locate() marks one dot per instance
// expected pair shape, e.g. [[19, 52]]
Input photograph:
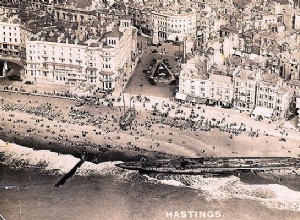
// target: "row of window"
[[269, 105], [9, 28], [271, 98], [5, 39], [175, 25], [9, 34], [218, 90], [172, 20], [243, 84], [112, 42]]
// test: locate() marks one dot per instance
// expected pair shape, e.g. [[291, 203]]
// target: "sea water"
[[104, 191]]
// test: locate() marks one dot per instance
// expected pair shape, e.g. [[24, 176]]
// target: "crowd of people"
[[107, 122], [43, 110]]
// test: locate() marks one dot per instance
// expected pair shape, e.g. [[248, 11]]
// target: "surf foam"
[[273, 196], [22, 157]]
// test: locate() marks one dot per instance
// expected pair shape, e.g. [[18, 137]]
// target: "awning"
[[190, 99], [180, 96], [263, 112], [201, 100]]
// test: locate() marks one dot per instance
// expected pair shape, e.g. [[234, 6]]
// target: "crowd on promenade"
[[191, 121], [162, 114], [43, 110]]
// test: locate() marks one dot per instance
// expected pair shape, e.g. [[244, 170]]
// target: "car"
[[145, 70], [154, 51], [28, 82]]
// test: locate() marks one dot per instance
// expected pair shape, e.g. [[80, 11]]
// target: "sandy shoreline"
[[108, 142]]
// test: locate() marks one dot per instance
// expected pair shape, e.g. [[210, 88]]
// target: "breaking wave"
[[20, 157], [273, 196]]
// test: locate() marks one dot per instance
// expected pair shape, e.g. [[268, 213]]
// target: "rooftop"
[[190, 71], [246, 74], [220, 78], [270, 79], [114, 33]]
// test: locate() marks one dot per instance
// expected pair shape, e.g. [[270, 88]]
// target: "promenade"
[[95, 129]]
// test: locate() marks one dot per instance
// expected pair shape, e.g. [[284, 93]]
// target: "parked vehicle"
[[28, 82]]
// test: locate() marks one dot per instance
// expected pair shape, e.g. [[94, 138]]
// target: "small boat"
[[127, 119]]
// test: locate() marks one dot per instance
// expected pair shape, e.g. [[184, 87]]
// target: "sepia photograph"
[[149, 109]]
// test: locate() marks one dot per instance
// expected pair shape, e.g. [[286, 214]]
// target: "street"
[[138, 84]]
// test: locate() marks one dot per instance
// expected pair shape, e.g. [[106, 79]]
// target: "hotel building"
[[99, 63]]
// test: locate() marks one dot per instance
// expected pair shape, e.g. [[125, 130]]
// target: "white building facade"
[[174, 25], [272, 98], [10, 39], [245, 81], [98, 63]]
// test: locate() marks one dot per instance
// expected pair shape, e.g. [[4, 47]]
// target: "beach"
[[105, 141], [50, 148], [54, 135]]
